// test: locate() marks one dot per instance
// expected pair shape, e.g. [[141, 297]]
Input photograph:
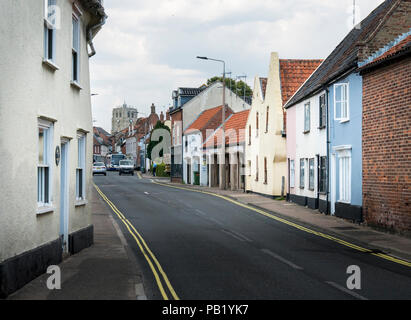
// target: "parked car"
[[126, 166], [99, 168]]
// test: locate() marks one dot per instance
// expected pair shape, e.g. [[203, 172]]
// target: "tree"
[[236, 86], [152, 144]]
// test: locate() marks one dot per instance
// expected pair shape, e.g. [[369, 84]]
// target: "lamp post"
[[222, 160]]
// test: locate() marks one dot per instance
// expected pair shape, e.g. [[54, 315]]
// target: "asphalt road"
[[212, 249]]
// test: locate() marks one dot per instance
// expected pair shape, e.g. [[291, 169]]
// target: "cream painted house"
[[265, 147], [46, 134]]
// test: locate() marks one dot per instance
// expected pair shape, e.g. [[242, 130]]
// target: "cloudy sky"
[[148, 48]]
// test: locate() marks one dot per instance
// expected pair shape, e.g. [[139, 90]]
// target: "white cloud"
[[148, 48]]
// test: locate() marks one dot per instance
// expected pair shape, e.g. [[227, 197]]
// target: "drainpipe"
[[90, 31], [328, 151]]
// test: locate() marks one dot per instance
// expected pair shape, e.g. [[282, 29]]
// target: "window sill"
[[306, 132], [80, 203], [344, 120], [50, 64], [322, 127], [44, 210], [76, 85]]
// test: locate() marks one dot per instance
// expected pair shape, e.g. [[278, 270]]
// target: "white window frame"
[[344, 173], [47, 163], [75, 49], [302, 176], [345, 101], [49, 30], [311, 174], [292, 174], [307, 106], [81, 167]]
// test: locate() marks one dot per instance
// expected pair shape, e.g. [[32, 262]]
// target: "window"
[[345, 177], [45, 137], [249, 135], [323, 175], [256, 124], [341, 106], [265, 171], [76, 49], [292, 174], [307, 122], [302, 169], [81, 168], [49, 30], [266, 119], [311, 174], [256, 168], [322, 112]]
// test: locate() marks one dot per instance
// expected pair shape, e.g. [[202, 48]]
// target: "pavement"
[[105, 271], [393, 244], [198, 245]]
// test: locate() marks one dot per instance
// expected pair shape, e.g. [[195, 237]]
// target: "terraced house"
[[45, 96], [265, 150], [332, 99]]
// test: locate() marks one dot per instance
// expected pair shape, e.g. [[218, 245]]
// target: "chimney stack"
[[153, 109], [162, 117]]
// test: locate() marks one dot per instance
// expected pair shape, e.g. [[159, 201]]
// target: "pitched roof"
[[208, 120], [293, 73], [234, 131], [203, 119], [190, 91], [345, 55], [390, 51]]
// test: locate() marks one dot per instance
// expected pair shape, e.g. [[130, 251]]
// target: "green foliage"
[[160, 170], [152, 144], [236, 86]]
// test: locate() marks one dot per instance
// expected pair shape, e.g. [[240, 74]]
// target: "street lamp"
[[222, 165]]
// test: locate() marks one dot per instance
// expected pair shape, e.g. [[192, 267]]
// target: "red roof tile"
[[294, 73], [208, 120], [234, 130]]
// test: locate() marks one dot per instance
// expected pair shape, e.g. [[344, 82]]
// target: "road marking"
[[143, 248], [295, 225], [146, 193], [287, 262], [350, 292], [236, 235], [201, 212], [139, 175]]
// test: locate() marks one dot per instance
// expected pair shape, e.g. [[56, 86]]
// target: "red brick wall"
[[387, 146]]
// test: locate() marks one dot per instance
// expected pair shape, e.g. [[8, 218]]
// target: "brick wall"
[[387, 146]]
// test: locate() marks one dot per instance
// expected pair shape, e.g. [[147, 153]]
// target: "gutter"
[[90, 31], [328, 150]]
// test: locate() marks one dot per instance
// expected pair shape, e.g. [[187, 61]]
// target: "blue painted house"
[[339, 77]]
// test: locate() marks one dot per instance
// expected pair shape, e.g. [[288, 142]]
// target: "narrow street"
[[199, 246]]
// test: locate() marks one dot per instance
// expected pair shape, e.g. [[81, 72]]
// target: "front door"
[[64, 194]]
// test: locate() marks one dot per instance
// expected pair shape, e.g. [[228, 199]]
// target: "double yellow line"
[[297, 226], [145, 250]]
